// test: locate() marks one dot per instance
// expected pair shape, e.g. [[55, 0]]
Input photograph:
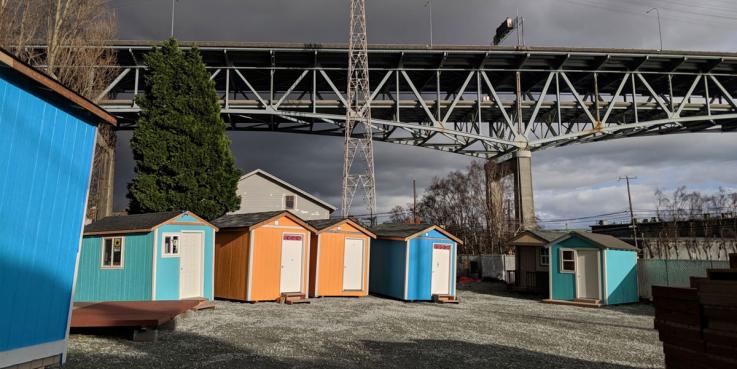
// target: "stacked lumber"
[[718, 296], [698, 325], [445, 299], [679, 321]]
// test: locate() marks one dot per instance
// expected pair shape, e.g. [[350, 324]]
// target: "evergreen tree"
[[183, 157]]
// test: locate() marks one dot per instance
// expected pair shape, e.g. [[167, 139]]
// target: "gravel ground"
[[489, 329]]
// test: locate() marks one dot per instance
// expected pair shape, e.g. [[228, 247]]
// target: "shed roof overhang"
[[48, 86], [361, 228]]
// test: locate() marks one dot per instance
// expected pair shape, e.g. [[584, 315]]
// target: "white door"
[[440, 269], [292, 253], [190, 265], [353, 265], [587, 274]]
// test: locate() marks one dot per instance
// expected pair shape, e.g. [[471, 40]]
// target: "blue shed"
[[592, 269], [47, 143], [146, 257], [413, 262]]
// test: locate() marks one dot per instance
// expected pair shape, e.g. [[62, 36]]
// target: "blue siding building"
[[592, 268], [47, 142], [146, 257], [413, 262]]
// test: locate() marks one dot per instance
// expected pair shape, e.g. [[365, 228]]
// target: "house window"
[[112, 252], [544, 256], [171, 245], [567, 261], [289, 201]]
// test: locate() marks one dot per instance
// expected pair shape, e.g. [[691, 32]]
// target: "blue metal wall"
[[621, 283], [45, 159], [167, 269], [387, 263], [131, 283], [420, 265]]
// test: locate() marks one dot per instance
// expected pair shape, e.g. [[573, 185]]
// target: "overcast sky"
[[574, 181]]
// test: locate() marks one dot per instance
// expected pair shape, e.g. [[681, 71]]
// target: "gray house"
[[261, 191]]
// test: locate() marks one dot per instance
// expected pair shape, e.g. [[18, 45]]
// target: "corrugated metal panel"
[[621, 270], [167, 269], [420, 265], [131, 283], [671, 273], [45, 158], [387, 268]]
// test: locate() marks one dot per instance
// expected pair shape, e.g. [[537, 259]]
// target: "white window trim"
[[284, 201], [122, 253], [575, 267], [163, 244], [540, 257]]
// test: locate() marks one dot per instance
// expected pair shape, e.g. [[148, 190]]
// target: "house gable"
[[260, 192]]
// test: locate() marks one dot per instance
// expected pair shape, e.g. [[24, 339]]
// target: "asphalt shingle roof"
[[398, 229], [547, 235], [321, 224], [130, 222], [604, 240], [244, 220]]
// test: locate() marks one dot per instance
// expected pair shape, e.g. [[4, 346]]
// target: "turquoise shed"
[[413, 262], [592, 269], [146, 257], [47, 142]]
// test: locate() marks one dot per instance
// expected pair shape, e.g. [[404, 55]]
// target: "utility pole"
[[633, 224], [414, 201], [428, 4], [358, 153], [171, 34], [660, 32]]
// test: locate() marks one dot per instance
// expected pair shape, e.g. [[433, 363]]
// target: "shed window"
[[567, 261], [289, 201], [544, 256], [171, 245], [112, 252]]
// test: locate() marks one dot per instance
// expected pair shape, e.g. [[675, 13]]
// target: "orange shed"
[[261, 256], [339, 260]]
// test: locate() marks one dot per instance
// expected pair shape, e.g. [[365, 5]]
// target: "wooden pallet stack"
[[679, 321], [698, 325]]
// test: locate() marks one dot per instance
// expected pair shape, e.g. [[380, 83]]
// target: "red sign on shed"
[[441, 246], [292, 237]]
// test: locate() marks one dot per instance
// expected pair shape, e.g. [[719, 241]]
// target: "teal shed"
[[47, 145], [590, 268], [146, 257]]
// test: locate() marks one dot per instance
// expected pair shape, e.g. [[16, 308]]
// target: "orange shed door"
[[292, 262]]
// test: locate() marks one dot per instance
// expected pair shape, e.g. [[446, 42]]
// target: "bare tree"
[[68, 39], [702, 225], [459, 203]]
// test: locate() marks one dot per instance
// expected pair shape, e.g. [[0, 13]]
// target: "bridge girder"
[[481, 102]]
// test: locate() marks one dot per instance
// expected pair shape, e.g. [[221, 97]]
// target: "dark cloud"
[[571, 181]]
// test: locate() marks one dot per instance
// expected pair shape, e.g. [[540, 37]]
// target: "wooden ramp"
[[134, 314]]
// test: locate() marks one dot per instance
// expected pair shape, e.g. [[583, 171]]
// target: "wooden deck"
[[578, 302], [134, 314]]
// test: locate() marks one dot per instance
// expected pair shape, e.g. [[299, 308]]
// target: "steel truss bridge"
[[481, 101]]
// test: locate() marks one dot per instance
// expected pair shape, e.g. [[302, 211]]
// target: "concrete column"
[[523, 199]]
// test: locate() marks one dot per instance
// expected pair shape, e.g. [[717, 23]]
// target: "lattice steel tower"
[[358, 155]]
